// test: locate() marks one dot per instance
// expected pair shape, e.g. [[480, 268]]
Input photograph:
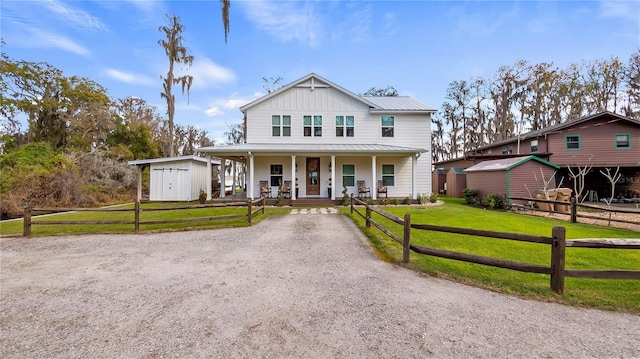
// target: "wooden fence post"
[[351, 203], [136, 216], [557, 259], [368, 215], [249, 211], [574, 210], [264, 204], [406, 240], [26, 220]]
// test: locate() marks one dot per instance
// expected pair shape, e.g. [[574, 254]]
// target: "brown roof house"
[[511, 177]]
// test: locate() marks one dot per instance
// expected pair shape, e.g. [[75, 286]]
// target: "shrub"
[[433, 198], [202, 197], [493, 201], [407, 200], [384, 201], [423, 198], [395, 202], [346, 201], [471, 196], [280, 201]]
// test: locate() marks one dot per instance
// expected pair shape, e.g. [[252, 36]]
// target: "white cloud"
[[627, 10], [213, 111], [207, 74], [128, 77], [73, 16], [234, 104], [286, 20], [43, 39], [146, 5]]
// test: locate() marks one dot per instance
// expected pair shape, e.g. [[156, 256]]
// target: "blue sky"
[[418, 47]]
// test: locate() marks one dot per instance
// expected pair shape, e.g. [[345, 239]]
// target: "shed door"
[[313, 176]]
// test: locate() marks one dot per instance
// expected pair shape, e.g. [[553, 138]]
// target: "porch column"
[[333, 178], [208, 177], [251, 165], [414, 175], [374, 182], [223, 171], [140, 169], [293, 178], [233, 183]]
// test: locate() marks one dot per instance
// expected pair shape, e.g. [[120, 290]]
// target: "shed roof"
[[456, 170], [506, 164]]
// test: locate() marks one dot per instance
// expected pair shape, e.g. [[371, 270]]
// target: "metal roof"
[[505, 164], [397, 103], [172, 159], [307, 148]]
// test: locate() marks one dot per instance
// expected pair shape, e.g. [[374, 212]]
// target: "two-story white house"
[[322, 138]]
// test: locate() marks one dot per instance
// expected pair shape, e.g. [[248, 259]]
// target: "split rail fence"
[[253, 207], [572, 209], [557, 242]]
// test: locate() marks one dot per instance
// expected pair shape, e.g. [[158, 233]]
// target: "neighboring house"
[[175, 178], [604, 140], [320, 137], [510, 177]]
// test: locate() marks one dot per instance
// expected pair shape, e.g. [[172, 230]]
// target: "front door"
[[313, 176]]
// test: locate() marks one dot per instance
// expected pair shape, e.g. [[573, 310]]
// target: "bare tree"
[[612, 179], [578, 174], [270, 84], [177, 54]]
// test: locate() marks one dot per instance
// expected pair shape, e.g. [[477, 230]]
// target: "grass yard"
[[15, 227], [608, 294]]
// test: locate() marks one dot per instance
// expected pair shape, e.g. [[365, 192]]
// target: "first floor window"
[[280, 126], [623, 141], [312, 126], [388, 175], [572, 142], [276, 175], [345, 128], [387, 126], [348, 175], [534, 146]]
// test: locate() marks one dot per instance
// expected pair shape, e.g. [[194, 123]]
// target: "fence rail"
[[573, 209], [28, 221], [557, 241]]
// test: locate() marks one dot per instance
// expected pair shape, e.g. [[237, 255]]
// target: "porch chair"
[[265, 190], [363, 190], [286, 189], [382, 188]]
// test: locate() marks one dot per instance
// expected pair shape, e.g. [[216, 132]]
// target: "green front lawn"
[[609, 294]]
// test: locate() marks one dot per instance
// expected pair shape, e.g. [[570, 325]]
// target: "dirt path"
[[301, 286]]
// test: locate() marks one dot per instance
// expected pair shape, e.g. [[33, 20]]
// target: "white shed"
[[175, 178]]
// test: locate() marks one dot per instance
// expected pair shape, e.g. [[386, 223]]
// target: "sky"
[[418, 47]]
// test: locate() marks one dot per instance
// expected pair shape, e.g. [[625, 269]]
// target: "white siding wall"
[[177, 180], [198, 179], [410, 130]]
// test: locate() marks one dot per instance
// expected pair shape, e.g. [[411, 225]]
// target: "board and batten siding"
[[526, 174], [597, 139]]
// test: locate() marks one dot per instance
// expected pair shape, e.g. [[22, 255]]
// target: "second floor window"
[[312, 126], [387, 126], [345, 126], [534, 146], [507, 150], [572, 142], [280, 126], [623, 141]]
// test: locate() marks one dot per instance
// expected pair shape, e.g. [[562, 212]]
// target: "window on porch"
[[388, 175], [276, 175], [348, 175]]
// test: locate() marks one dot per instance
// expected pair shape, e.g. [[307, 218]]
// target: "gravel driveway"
[[299, 286]]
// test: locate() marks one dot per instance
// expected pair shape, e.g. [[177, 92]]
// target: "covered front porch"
[[326, 171]]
